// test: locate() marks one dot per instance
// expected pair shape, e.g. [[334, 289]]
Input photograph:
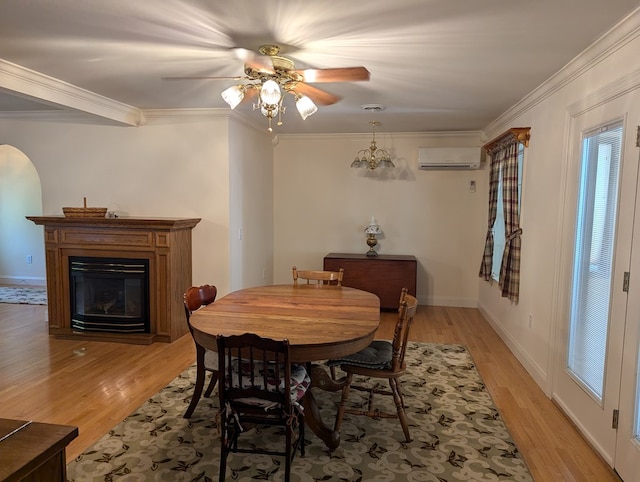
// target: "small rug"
[[457, 434], [26, 295]]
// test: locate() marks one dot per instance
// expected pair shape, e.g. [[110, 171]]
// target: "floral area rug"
[[27, 295], [457, 434]]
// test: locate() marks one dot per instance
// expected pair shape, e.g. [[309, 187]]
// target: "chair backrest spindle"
[[256, 388], [319, 277], [381, 359], [406, 313]]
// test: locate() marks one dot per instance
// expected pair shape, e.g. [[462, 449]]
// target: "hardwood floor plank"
[[94, 385]]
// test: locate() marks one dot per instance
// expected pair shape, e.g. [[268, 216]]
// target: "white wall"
[[251, 210], [322, 205], [608, 66], [174, 166], [20, 196]]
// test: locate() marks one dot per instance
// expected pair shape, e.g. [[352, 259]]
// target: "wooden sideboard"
[[384, 275], [164, 242], [34, 452]]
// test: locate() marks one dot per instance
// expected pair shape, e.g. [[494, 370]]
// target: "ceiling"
[[436, 65]]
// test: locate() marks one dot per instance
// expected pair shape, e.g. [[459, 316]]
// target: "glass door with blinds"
[[593, 258], [599, 212]]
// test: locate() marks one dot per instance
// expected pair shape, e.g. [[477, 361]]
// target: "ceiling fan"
[[268, 75]]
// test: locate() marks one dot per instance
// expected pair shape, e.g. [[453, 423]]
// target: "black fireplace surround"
[[109, 294]]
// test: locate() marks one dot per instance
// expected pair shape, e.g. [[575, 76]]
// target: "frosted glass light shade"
[[358, 163], [386, 162], [270, 92], [305, 106], [373, 229], [233, 95]]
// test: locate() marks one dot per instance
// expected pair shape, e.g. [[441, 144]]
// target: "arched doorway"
[[21, 242]]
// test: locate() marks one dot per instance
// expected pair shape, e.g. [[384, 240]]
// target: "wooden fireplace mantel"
[[164, 242]]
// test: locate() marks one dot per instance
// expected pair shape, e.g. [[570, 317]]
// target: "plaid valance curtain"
[[504, 156]]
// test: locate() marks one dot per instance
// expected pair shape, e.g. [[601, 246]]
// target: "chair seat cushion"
[[300, 382], [211, 360], [377, 355]]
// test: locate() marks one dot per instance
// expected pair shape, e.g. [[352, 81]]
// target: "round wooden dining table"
[[320, 322]]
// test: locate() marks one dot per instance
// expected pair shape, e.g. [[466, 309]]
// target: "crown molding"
[[254, 122], [613, 40], [58, 116], [609, 92], [184, 114], [194, 114], [471, 135], [46, 90]]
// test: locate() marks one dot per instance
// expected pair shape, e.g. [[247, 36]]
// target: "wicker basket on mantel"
[[84, 212]]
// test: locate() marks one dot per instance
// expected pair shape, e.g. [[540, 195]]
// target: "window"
[[502, 247], [498, 225]]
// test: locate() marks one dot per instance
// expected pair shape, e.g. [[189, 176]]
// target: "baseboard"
[[448, 301], [22, 280], [573, 420], [532, 368]]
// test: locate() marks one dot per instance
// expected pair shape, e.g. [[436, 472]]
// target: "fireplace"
[[109, 294], [163, 245]]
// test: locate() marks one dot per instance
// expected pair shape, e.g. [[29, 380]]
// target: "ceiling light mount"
[[373, 108], [279, 63], [373, 157]]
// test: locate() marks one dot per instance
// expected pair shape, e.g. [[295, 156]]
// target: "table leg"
[[321, 379], [313, 420]]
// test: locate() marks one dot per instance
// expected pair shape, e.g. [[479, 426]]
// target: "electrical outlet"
[[240, 234], [29, 259], [530, 320], [472, 186]]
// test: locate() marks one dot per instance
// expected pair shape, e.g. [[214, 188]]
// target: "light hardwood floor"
[[94, 385]]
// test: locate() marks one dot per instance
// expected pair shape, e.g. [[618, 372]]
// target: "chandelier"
[[372, 157], [270, 87]]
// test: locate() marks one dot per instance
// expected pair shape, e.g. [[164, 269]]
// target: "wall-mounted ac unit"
[[449, 157]]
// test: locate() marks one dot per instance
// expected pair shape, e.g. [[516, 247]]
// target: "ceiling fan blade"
[[345, 74], [318, 96], [249, 95], [261, 63]]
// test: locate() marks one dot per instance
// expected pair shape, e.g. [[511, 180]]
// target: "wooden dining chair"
[[320, 278], [381, 359], [206, 360], [258, 385]]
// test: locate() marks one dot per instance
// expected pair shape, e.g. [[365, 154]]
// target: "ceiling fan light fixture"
[[270, 92], [305, 106], [234, 95], [269, 110], [272, 76]]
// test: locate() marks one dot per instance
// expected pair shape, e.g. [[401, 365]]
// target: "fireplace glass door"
[[109, 294]]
